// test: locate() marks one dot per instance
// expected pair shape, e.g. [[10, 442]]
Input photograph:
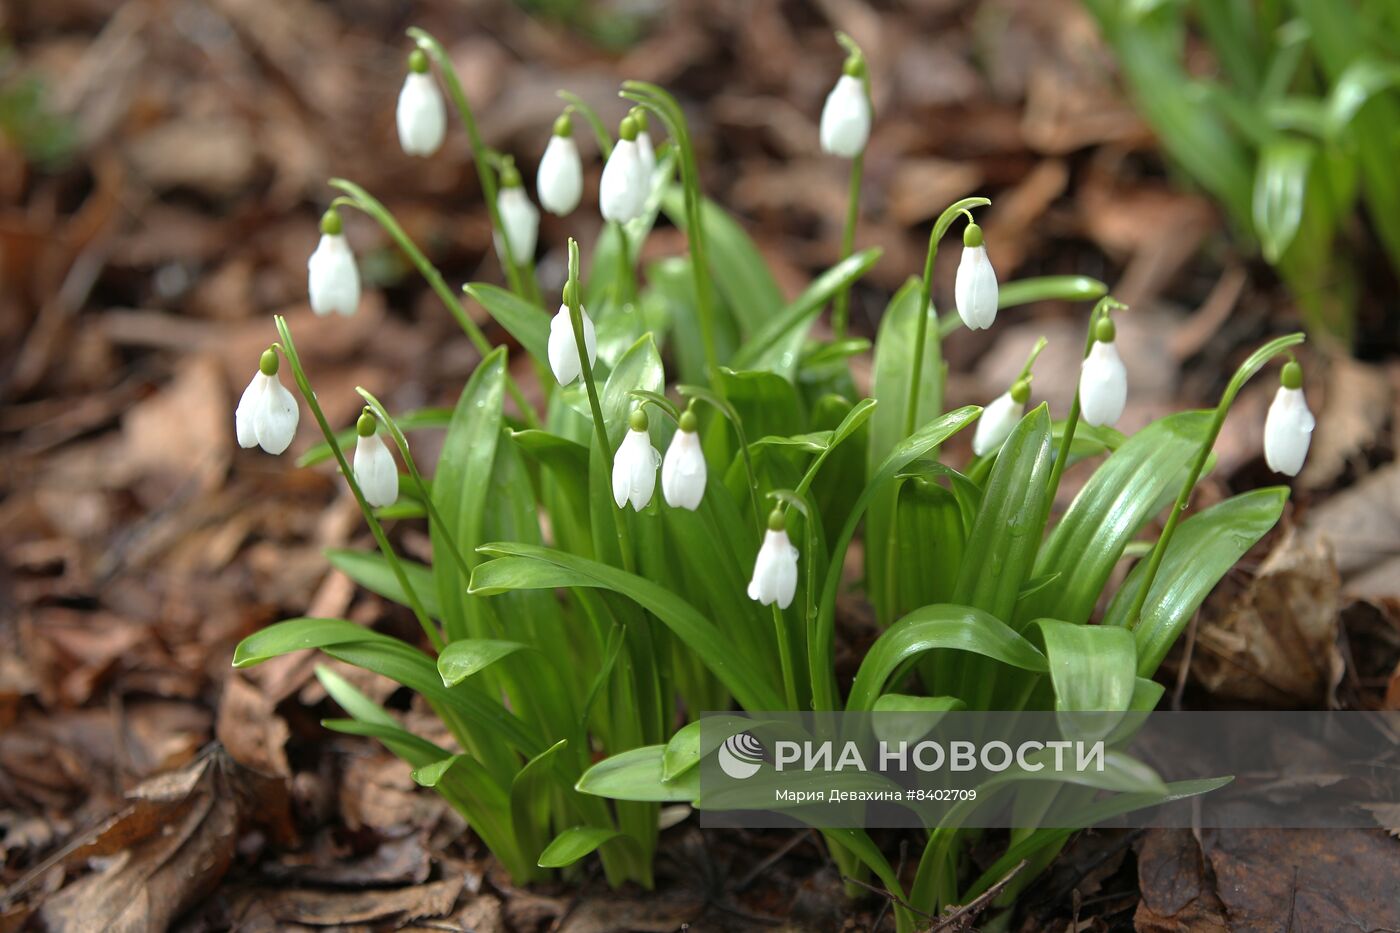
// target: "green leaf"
[[530, 796], [466, 656], [1201, 552], [566, 500], [573, 844], [1005, 536], [776, 344], [1029, 291], [959, 628], [821, 649], [521, 319], [1132, 485], [686, 747], [1280, 186], [766, 402], [637, 775], [372, 571], [1091, 666], [530, 567], [923, 716], [300, 634], [461, 486]]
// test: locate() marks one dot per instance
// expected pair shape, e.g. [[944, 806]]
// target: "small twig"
[[889, 897], [771, 860], [1185, 668], [955, 917]]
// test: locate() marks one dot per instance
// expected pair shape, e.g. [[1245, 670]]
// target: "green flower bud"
[[1104, 331], [854, 66], [367, 424], [639, 114], [688, 422], [268, 362], [418, 62], [330, 223], [638, 420], [972, 236], [777, 521], [1292, 375], [510, 175], [1021, 391], [563, 126], [570, 298], [628, 129]]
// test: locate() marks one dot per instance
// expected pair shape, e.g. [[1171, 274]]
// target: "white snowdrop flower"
[[1103, 379], [267, 413], [563, 348], [975, 291], [332, 278], [845, 125], [775, 568], [634, 466], [422, 113], [519, 217], [999, 419], [559, 181], [374, 466], [622, 191], [1289, 425], [683, 471]]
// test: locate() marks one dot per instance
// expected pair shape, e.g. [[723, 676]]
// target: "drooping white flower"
[[622, 191], [683, 472], [975, 291], [1103, 380], [422, 113], [374, 465], [647, 153], [563, 348], [267, 413], [1289, 425], [519, 217], [634, 466], [775, 568], [559, 181], [332, 278], [999, 420], [845, 125]]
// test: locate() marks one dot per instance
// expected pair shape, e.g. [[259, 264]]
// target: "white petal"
[[332, 278], [246, 412], [634, 470], [1288, 431], [647, 153], [559, 182], [375, 471], [996, 424], [563, 349], [975, 291], [683, 472], [421, 115], [275, 417], [845, 125], [521, 220], [775, 571], [1103, 385], [622, 192]]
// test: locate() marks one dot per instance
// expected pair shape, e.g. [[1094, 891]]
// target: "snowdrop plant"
[[560, 178], [1103, 379], [572, 629], [267, 414], [1289, 426], [422, 114], [332, 278], [520, 219]]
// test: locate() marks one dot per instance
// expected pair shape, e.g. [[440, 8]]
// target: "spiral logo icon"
[[740, 756]]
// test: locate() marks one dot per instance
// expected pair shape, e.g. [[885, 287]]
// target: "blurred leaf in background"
[[1294, 131], [27, 120]]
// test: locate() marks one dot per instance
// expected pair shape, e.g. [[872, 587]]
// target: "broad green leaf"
[[1093, 667], [604, 268], [821, 650], [637, 775], [686, 747], [1002, 545], [1201, 552], [565, 494], [776, 344], [461, 486], [300, 634], [926, 550], [521, 319], [411, 748], [767, 403], [958, 628], [466, 656], [1029, 291], [485, 803], [1132, 485], [372, 571], [573, 844], [529, 567], [921, 715], [736, 265], [530, 796], [639, 368], [1280, 185]]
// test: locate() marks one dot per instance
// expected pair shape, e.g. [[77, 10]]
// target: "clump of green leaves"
[[1290, 136], [570, 642]]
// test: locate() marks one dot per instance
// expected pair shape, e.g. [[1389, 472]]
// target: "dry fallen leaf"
[[1177, 896], [1357, 400], [1362, 524]]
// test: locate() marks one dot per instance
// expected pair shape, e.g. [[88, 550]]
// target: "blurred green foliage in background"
[[28, 121], [1298, 126]]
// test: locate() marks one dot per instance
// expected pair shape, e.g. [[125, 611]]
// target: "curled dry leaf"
[[1277, 642], [1362, 525]]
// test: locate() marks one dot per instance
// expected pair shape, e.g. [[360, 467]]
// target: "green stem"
[[600, 132], [626, 282], [732, 415], [940, 227], [785, 658], [571, 296], [482, 154], [361, 200], [1256, 362], [660, 102], [289, 350], [1102, 307], [840, 311]]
